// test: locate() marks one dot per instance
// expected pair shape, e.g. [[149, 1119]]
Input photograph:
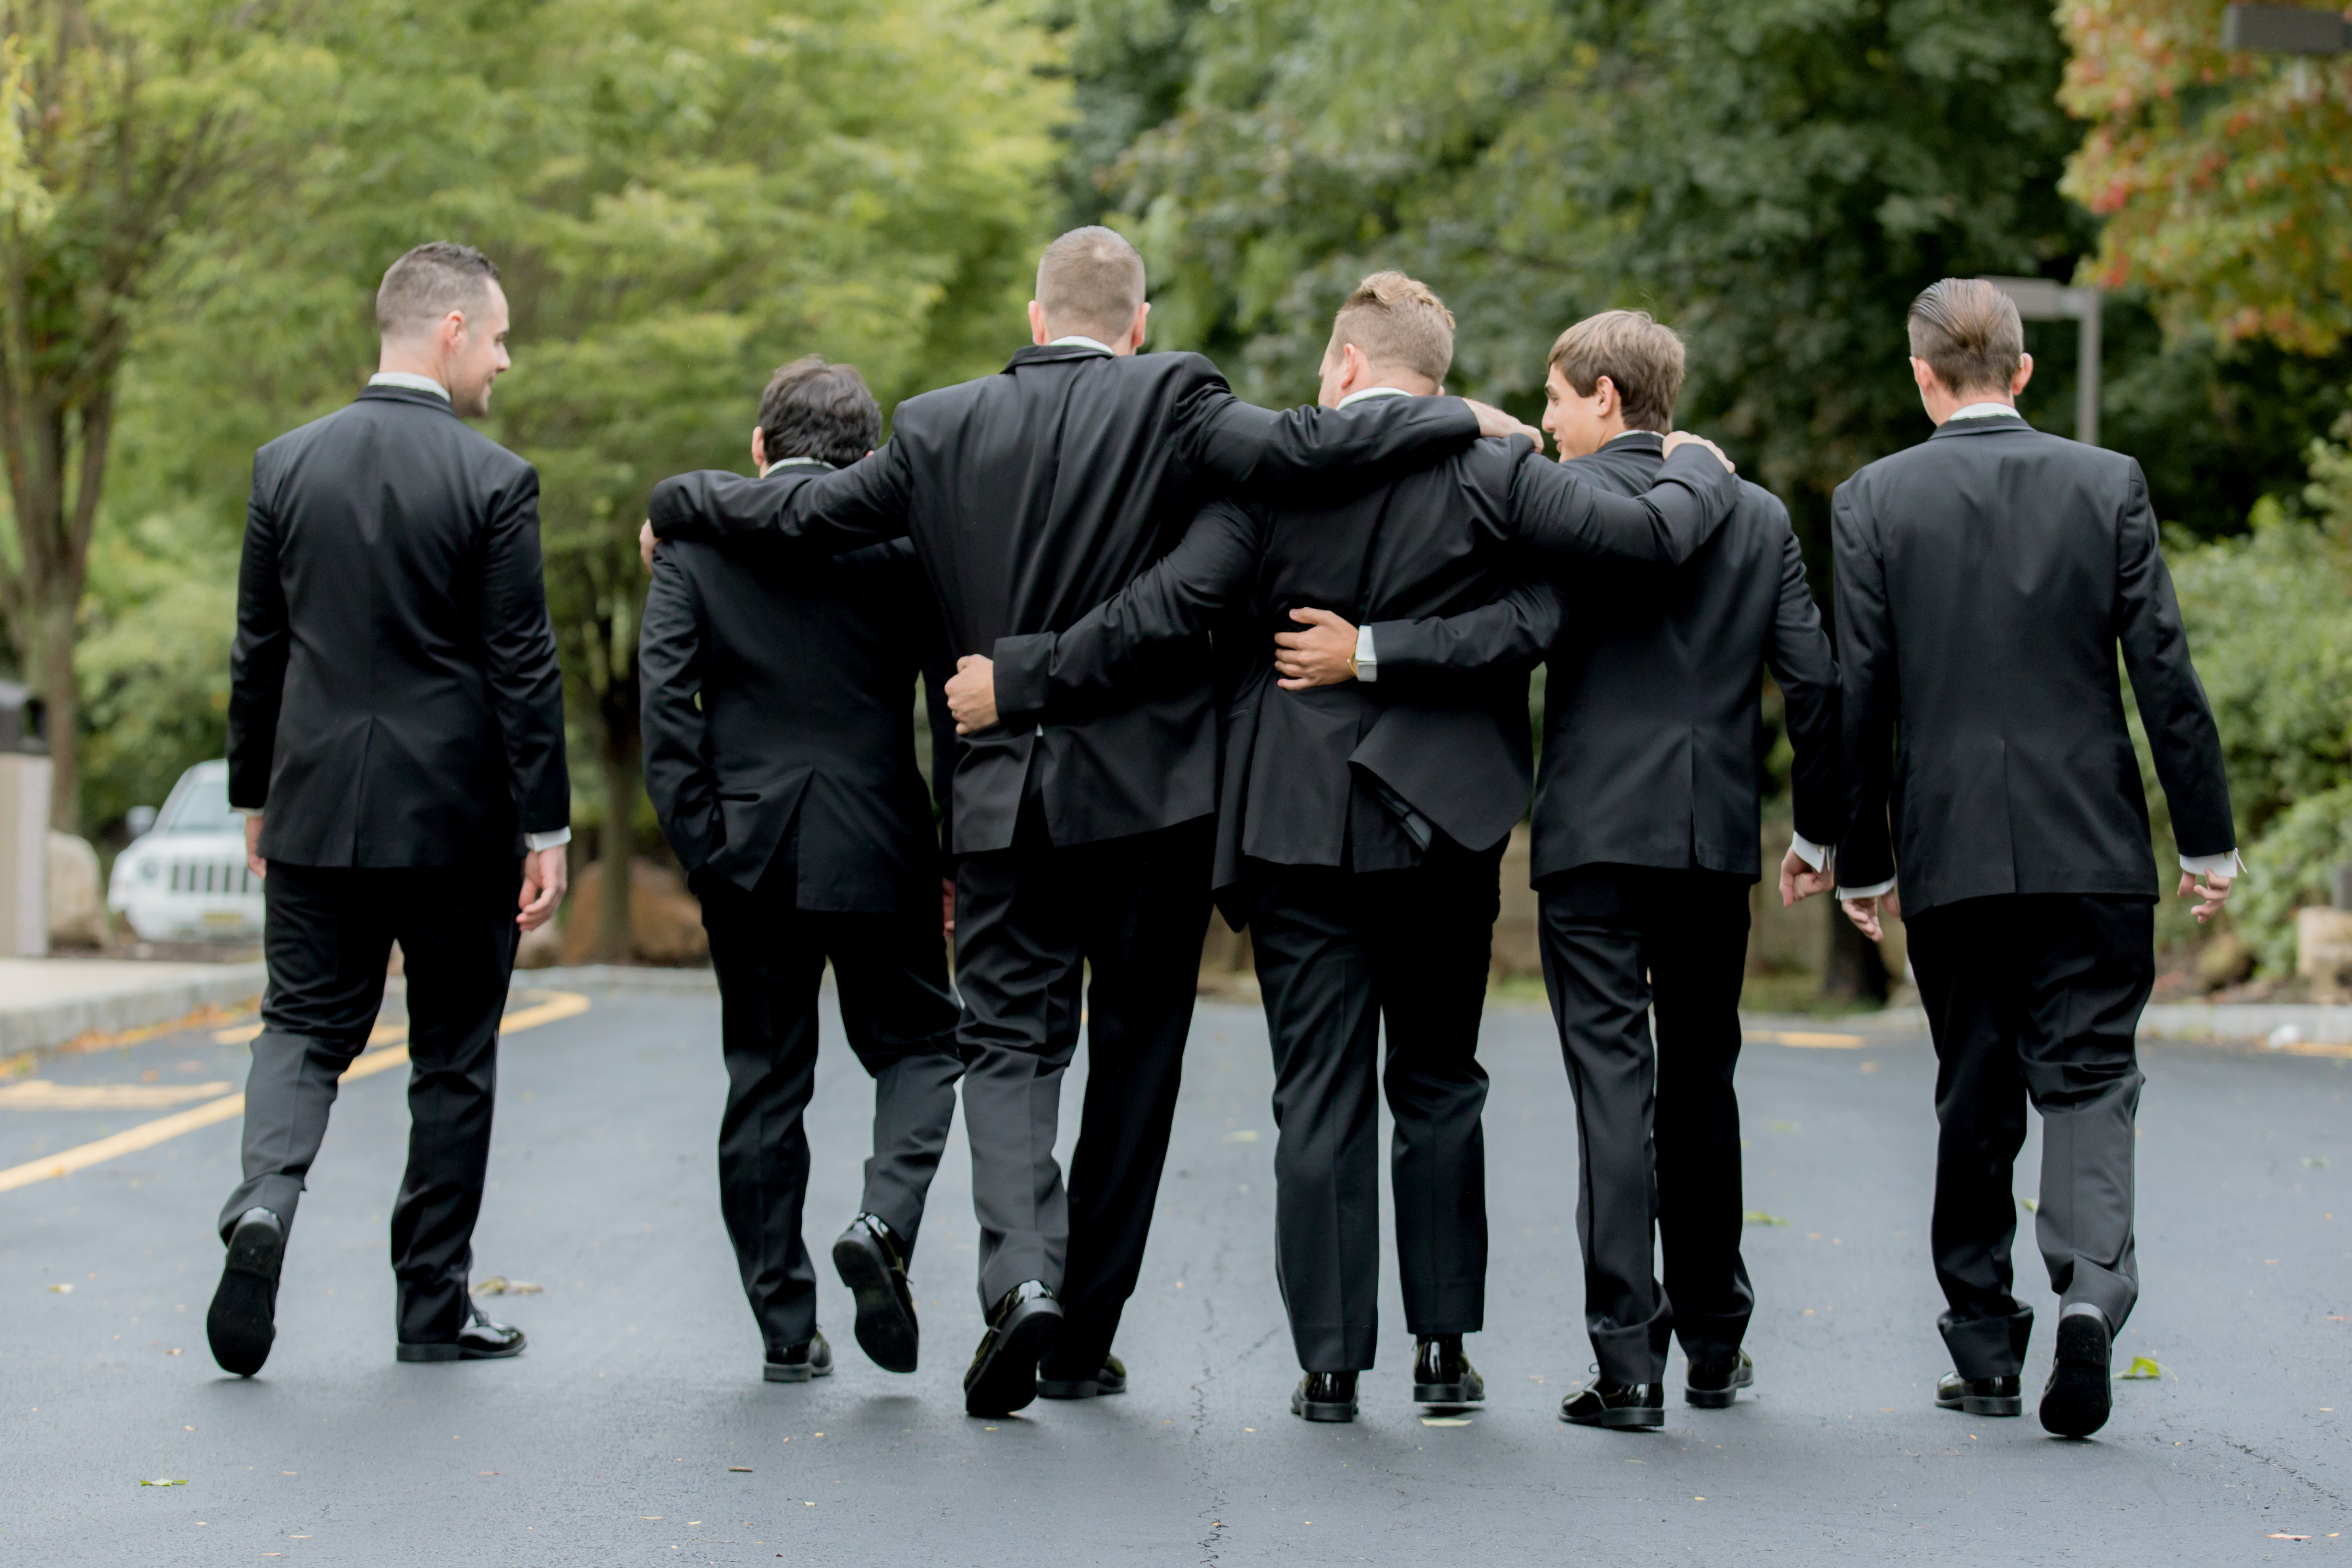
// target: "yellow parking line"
[[1801, 1037], [387, 1048]]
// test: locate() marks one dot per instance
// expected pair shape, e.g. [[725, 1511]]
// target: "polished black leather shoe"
[[1442, 1375], [479, 1340], [1978, 1396], [798, 1364], [1715, 1383], [1003, 1377], [873, 1266], [2078, 1398], [1325, 1396], [1621, 1407], [243, 1321], [1111, 1379]]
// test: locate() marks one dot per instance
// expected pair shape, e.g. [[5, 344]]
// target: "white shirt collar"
[[1986, 410], [798, 463], [1080, 340], [1623, 433], [1361, 394], [408, 381]]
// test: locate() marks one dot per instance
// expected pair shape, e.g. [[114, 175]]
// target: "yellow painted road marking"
[[1803, 1038], [40, 1094], [387, 1048]]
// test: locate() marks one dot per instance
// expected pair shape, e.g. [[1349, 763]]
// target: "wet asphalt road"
[[614, 1439]]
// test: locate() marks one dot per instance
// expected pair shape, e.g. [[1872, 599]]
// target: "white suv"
[[186, 879]]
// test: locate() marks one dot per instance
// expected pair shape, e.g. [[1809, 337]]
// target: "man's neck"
[[397, 361]]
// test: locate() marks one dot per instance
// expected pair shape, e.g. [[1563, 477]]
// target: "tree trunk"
[[49, 669], [616, 843], [1855, 972]]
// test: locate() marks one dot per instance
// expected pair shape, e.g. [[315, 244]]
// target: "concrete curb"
[[618, 976], [45, 1027], [2275, 1023]]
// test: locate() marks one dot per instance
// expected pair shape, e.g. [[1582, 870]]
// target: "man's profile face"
[[480, 354], [1578, 421]]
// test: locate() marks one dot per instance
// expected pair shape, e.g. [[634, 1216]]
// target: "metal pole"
[[2087, 380]]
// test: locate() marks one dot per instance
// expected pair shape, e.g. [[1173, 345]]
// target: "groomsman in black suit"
[[779, 757], [395, 741], [1986, 581], [1030, 496], [1372, 779]]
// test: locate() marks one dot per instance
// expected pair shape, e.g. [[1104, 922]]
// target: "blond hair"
[[1090, 281], [1396, 323]]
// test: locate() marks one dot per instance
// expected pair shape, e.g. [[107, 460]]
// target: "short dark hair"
[[1396, 323], [428, 282], [812, 409], [1642, 358], [1969, 332], [1090, 281]]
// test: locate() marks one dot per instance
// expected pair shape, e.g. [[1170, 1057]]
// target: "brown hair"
[[1089, 282], [812, 409], [1969, 332], [1397, 323], [427, 283], [1642, 358]]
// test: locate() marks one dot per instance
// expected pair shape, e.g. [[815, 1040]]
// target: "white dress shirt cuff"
[[555, 840], [1871, 891], [1368, 657], [2227, 864], [1817, 856]]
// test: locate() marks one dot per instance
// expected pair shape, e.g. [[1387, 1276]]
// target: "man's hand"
[[646, 542], [545, 875], [1493, 421], [946, 908], [1685, 439], [1800, 881], [2213, 888], [261, 867], [1865, 913], [971, 693], [1323, 655]]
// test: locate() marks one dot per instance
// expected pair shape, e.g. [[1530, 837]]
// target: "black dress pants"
[[1338, 953], [1031, 920], [2032, 996], [891, 975], [328, 937], [1657, 1129]]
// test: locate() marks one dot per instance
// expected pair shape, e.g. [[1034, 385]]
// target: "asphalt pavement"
[[636, 1429]]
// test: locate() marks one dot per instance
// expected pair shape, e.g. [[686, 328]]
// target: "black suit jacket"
[[1359, 775], [394, 698], [778, 683], [1984, 579], [1034, 494], [1654, 736]]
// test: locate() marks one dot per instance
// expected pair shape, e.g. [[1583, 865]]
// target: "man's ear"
[[1037, 324], [758, 448], [1923, 374], [2024, 373], [1136, 332], [1612, 400]]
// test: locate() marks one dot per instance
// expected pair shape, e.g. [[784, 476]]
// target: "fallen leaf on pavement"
[[739, 1469], [2142, 1367], [2032, 1205], [2314, 1162], [495, 1285], [1758, 1217], [62, 1289], [2280, 1535], [178, 1483], [1445, 1421]]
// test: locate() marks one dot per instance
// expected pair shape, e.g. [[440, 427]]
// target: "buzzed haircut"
[[1089, 283], [1641, 357], [1969, 332], [812, 409], [429, 282], [1396, 323]]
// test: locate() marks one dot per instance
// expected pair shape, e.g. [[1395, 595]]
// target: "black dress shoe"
[[1004, 1374], [873, 1266], [1111, 1379], [479, 1340], [1621, 1407], [800, 1363], [243, 1321], [1442, 1375], [1715, 1383], [2078, 1398], [1978, 1396], [1325, 1396]]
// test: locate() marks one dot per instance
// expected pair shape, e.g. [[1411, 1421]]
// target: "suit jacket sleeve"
[[2172, 707], [1241, 443], [1869, 693], [679, 780], [518, 650], [1208, 571], [1798, 654], [865, 503], [1508, 636], [1562, 516], [257, 660]]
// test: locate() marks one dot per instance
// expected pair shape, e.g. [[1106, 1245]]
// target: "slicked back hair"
[[429, 282], [1641, 357], [1396, 323], [1089, 283], [812, 409], [1969, 332]]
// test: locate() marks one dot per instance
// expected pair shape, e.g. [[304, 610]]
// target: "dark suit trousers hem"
[[891, 971], [1031, 921], [1657, 1126], [2033, 997], [328, 937], [1338, 953]]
